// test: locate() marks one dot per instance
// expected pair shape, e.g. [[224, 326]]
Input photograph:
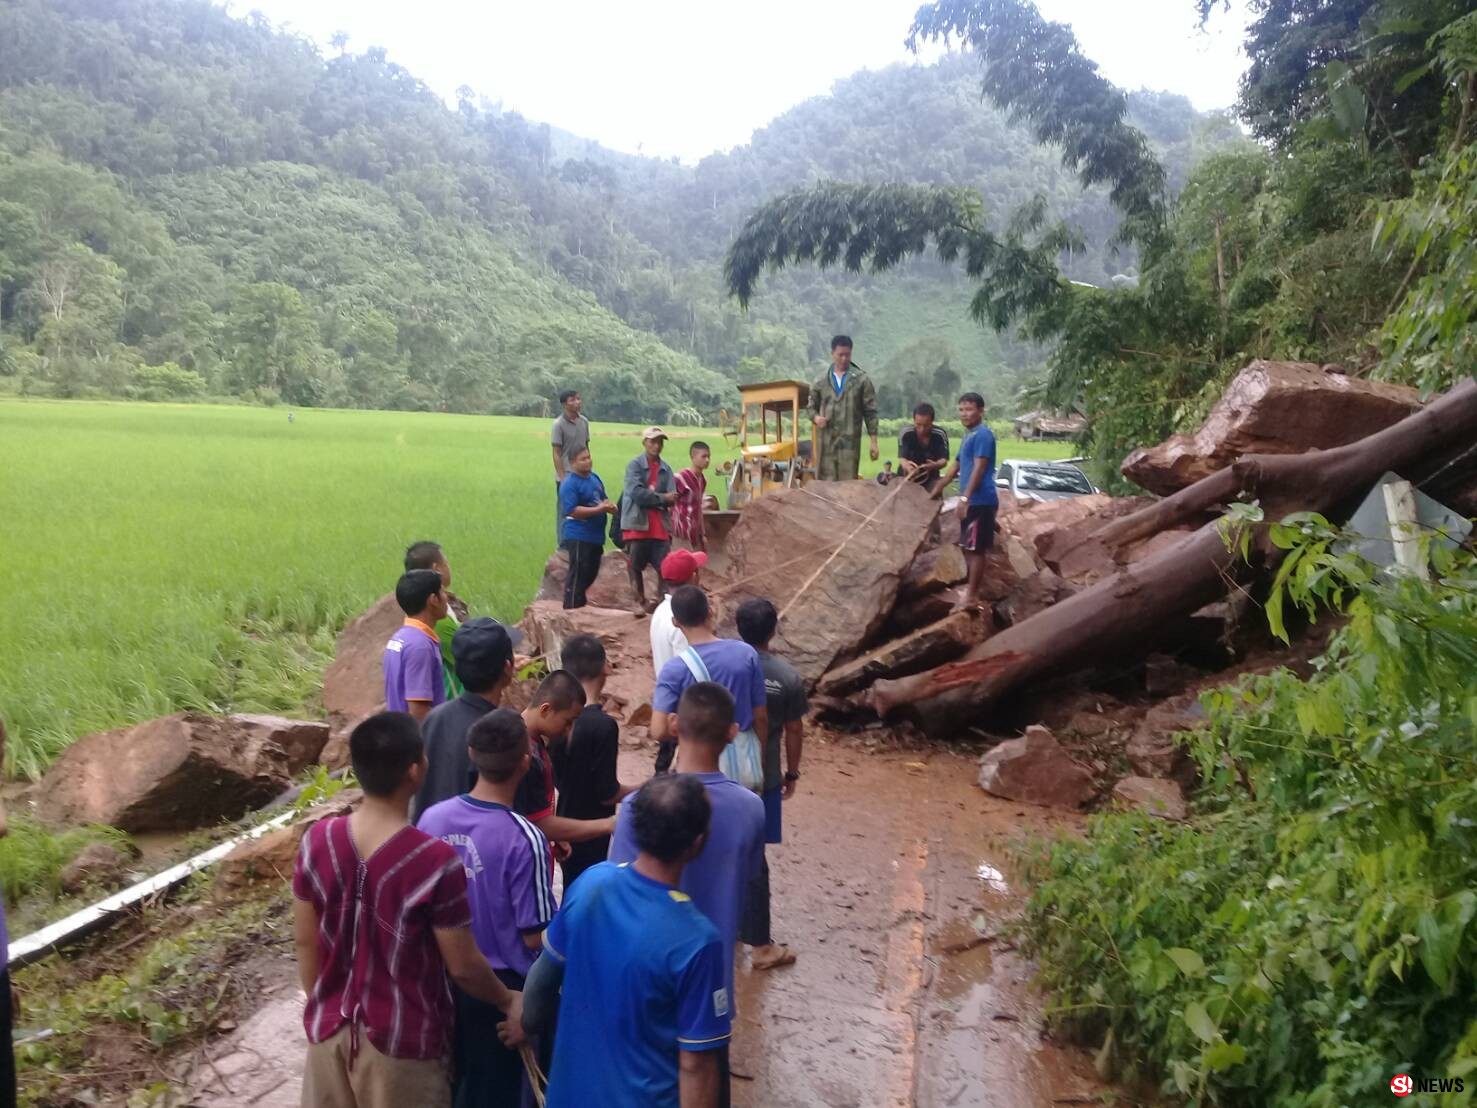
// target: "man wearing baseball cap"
[[681, 567], [482, 651], [649, 491]]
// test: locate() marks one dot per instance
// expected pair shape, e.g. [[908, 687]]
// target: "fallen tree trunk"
[[1425, 435], [1123, 613]]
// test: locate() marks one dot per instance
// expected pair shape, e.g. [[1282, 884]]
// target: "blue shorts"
[[773, 810]]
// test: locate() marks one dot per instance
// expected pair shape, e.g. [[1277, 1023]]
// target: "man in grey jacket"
[[649, 491]]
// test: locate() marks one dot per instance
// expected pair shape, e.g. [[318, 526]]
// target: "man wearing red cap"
[[681, 567]]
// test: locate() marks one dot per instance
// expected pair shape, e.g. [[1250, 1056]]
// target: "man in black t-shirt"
[[784, 691], [585, 760], [923, 449]]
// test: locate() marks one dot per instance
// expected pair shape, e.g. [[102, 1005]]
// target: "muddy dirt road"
[[893, 864]]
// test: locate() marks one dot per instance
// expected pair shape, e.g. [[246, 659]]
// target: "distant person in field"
[[923, 449], [428, 555], [570, 432], [785, 697], [380, 921], [978, 500], [681, 567], [692, 488], [647, 495], [510, 885], [886, 476], [841, 403], [584, 508], [635, 972], [585, 776], [414, 682], [718, 878], [482, 649], [732, 664], [557, 701]]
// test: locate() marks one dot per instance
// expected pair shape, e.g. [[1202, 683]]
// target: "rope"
[[536, 1079], [822, 567]]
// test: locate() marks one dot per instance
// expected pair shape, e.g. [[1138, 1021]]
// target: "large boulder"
[[1037, 769], [1272, 408], [627, 640], [354, 682], [830, 556], [172, 774], [302, 740], [612, 588]]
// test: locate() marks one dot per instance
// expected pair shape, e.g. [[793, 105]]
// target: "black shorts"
[[647, 552], [977, 531]]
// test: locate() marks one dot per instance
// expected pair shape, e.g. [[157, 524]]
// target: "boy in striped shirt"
[[380, 920], [510, 884]]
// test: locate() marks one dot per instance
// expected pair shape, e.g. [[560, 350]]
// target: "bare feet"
[[771, 956]]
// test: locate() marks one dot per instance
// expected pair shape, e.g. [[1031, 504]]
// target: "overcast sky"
[[687, 77]]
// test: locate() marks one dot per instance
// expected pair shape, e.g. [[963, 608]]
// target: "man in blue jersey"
[[978, 500], [718, 878], [644, 1011]]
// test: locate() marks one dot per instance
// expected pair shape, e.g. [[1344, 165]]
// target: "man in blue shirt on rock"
[[645, 1011], [978, 500]]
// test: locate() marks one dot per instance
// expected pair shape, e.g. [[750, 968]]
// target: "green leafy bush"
[[1309, 933]]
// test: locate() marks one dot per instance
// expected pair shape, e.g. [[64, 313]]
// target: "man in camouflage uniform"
[[840, 403]]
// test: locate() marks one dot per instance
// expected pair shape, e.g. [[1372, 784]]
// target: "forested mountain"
[[193, 204], [1345, 236]]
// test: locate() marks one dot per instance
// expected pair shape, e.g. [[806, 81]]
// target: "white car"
[[1042, 480]]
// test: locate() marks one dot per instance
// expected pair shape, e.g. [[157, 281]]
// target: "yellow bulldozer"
[[772, 454], [780, 459]]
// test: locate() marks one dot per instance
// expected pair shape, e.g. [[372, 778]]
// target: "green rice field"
[[157, 557]]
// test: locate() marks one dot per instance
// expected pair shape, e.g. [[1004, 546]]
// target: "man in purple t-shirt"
[[730, 663], [412, 664], [718, 878], [510, 884]]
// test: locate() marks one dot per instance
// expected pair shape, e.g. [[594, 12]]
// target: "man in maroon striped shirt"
[[381, 918]]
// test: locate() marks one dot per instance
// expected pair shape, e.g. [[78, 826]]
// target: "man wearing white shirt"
[[681, 567]]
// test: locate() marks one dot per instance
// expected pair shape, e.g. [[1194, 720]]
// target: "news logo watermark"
[[1403, 1084]]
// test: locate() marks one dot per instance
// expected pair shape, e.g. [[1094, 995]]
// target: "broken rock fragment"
[[1151, 795], [938, 642], [96, 866], [1036, 768]]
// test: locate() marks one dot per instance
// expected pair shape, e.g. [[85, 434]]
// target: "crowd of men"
[[430, 927]]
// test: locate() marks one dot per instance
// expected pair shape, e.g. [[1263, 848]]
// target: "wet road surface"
[[893, 866]]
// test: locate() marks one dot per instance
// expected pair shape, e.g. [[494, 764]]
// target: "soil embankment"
[[892, 881]]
